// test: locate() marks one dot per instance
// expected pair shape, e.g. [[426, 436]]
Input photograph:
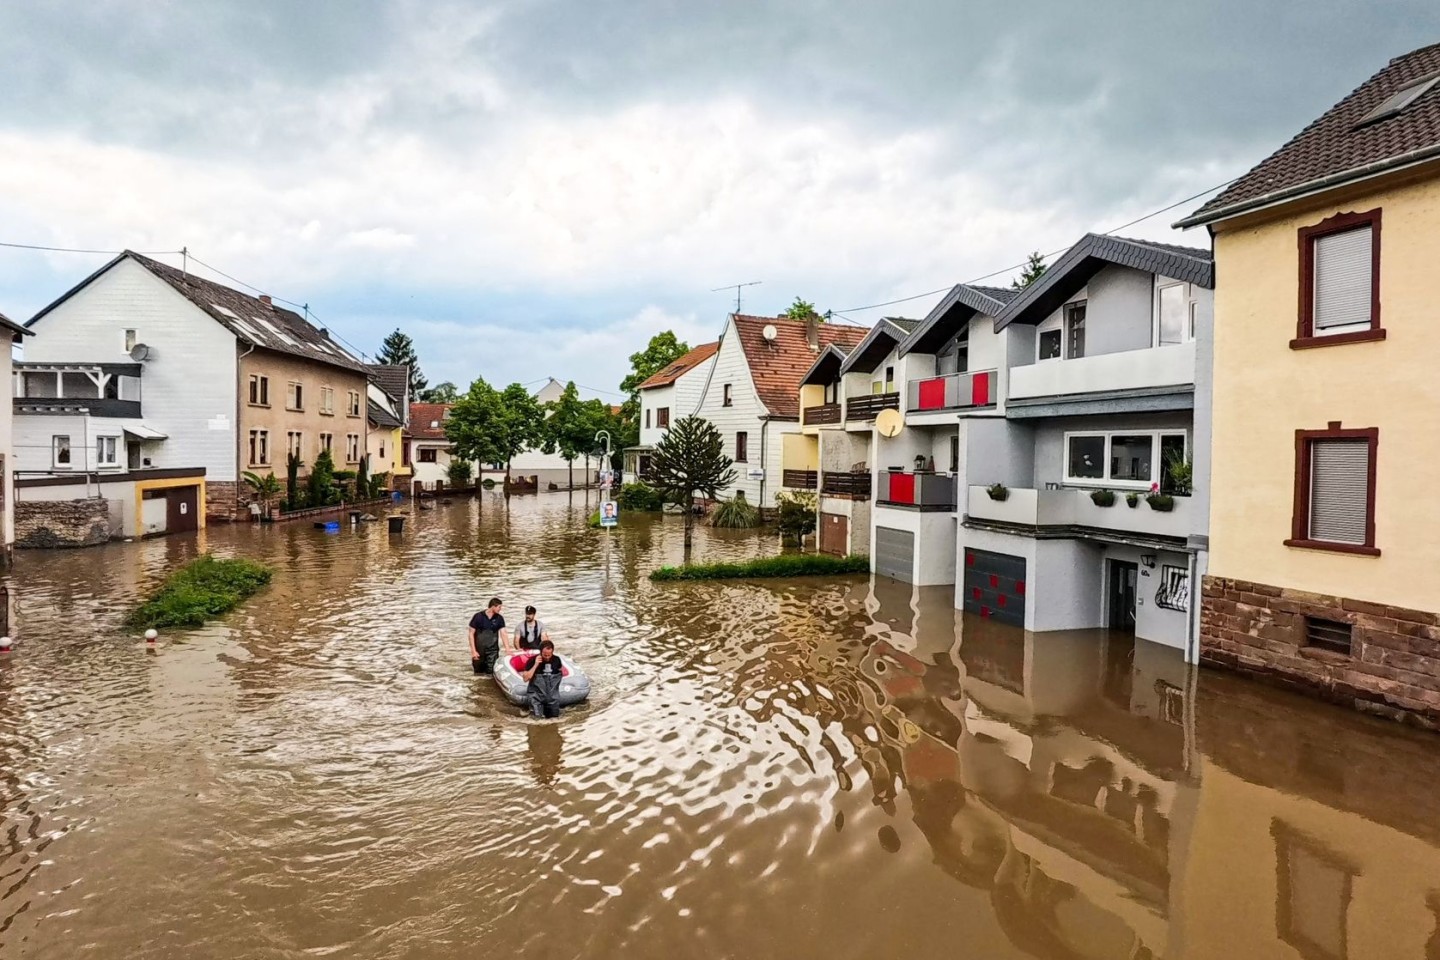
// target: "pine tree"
[[398, 348], [1033, 270], [691, 459]]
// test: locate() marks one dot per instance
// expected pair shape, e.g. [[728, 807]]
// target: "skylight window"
[[225, 310], [275, 331], [1400, 99]]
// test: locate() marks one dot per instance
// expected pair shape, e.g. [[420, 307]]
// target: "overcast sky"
[[532, 188]]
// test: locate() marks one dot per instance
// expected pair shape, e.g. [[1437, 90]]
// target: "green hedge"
[[201, 590], [785, 565], [640, 497]]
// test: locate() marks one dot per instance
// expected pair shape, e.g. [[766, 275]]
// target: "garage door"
[[995, 586], [895, 554], [834, 534]]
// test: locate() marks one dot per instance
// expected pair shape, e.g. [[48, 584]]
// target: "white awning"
[[141, 430]]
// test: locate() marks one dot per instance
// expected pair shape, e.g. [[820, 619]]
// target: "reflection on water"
[[795, 768]]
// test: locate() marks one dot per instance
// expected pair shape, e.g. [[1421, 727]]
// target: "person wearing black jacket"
[[543, 673]]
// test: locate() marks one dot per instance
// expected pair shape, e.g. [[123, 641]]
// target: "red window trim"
[[1305, 336], [1300, 518]]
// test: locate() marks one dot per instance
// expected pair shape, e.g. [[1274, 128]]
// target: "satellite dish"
[[890, 423], [770, 333], [140, 353]]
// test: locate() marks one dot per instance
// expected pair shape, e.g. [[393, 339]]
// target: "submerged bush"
[[640, 496], [785, 565], [736, 513], [201, 590], [796, 513]]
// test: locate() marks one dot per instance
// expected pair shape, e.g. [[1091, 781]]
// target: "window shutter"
[[1339, 490], [1342, 279]]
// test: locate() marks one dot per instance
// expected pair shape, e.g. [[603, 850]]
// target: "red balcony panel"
[[980, 389], [932, 394], [902, 488]]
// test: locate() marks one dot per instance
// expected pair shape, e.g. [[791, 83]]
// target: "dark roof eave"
[[1366, 171], [829, 354], [862, 349]]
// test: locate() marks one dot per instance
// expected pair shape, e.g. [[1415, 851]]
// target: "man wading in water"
[[544, 673], [487, 632]]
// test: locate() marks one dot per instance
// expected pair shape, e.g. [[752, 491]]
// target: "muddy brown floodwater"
[[785, 769]]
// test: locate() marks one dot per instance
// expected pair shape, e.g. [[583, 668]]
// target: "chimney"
[[265, 299], [812, 332]]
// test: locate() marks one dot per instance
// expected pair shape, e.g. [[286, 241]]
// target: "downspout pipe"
[[764, 431], [239, 438]]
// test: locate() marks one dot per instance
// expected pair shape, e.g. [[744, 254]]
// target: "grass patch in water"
[[201, 590], [785, 565]]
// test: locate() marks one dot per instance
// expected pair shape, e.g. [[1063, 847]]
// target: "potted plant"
[[1103, 498], [1133, 499], [1162, 502], [998, 491], [1181, 474], [266, 489]]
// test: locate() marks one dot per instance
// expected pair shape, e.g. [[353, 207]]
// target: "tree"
[[662, 350], [524, 425], [802, 310], [398, 348], [691, 459], [266, 488], [293, 464], [494, 426], [445, 392], [320, 484], [1033, 270], [362, 478], [569, 428]]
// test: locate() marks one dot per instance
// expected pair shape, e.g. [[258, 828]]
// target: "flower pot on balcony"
[[1103, 498], [1162, 502], [1133, 500], [998, 491]]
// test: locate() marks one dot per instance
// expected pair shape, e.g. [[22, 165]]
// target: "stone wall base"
[[43, 524], [1392, 668], [223, 502]]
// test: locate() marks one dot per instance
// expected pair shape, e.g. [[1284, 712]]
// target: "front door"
[[1124, 582], [181, 509], [834, 534]]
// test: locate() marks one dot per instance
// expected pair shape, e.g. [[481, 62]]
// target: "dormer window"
[[1400, 99]]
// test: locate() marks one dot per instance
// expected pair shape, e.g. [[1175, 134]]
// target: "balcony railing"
[[856, 486], [868, 406], [925, 491], [1073, 507], [821, 413], [799, 479], [951, 391]]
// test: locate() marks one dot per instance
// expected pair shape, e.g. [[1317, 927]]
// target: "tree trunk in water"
[[507, 478], [571, 465], [689, 530]]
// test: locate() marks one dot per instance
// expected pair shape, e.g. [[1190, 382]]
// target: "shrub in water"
[[796, 513], [201, 590], [641, 497], [736, 513], [785, 565]]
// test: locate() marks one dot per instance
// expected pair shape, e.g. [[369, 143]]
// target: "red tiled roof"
[[682, 366], [777, 366], [1340, 144], [424, 414]]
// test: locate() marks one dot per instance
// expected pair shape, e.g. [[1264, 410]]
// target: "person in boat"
[[531, 632], [543, 672], [487, 634]]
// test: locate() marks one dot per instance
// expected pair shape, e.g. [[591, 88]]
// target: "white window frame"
[[132, 337], [1187, 331], [295, 396], [1109, 435], [354, 403], [55, 451], [1056, 321], [115, 446]]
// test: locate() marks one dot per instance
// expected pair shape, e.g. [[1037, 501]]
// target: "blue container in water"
[[333, 526], [396, 496]]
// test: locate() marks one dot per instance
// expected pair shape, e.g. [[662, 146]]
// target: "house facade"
[[1325, 563], [430, 453], [232, 382], [669, 395], [13, 334], [752, 393], [388, 408]]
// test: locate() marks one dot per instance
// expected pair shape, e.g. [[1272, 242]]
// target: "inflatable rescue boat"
[[574, 685]]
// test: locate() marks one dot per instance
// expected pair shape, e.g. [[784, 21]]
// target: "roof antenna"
[[184, 261], [736, 287]]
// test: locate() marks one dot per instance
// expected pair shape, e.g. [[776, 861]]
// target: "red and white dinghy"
[[574, 684]]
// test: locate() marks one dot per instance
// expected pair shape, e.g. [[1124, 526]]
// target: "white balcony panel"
[[1131, 370], [1073, 507]]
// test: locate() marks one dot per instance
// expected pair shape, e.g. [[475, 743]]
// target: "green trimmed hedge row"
[[785, 565], [201, 590]]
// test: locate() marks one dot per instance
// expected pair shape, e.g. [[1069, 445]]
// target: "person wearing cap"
[[531, 632]]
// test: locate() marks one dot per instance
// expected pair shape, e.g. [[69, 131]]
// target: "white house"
[[752, 393], [547, 468], [12, 332], [671, 394]]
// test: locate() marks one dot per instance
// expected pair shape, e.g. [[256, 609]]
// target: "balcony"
[[869, 406], [923, 491], [1073, 508], [1168, 366], [820, 414], [854, 486], [951, 391], [799, 479]]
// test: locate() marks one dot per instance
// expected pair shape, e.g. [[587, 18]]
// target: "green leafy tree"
[[266, 488], [691, 459], [523, 421], [459, 473], [663, 349], [568, 428], [796, 513], [293, 492], [398, 348], [495, 426], [802, 310], [445, 392], [320, 486], [1033, 270]]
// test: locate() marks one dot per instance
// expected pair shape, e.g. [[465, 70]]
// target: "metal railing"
[[951, 391], [799, 479], [927, 491], [856, 486], [869, 406]]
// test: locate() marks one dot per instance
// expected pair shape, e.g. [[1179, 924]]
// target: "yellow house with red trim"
[[1324, 534]]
